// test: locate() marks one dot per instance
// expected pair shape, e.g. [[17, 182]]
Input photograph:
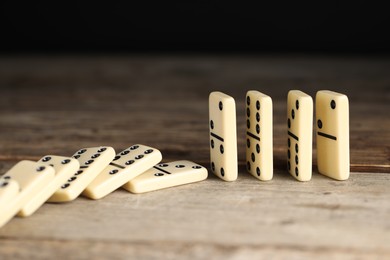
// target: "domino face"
[[223, 136], [32, 177], [64, 167], [300, 135], [167, 175], [9, 189], [126, 165], [259, 150], [332, 114], [92, 161]]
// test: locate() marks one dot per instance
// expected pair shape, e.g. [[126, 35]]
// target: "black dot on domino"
[[89, 162], [248, 123], [258, 129], [139, 157], [163, 165], [40, 168], [258, 171], [292, 113], [221, 149], [78, 172], [253, 157], [82, 151], [248, 143], [288, 154], [211, 124], [196, 167], [125, 152], [66, 185], [113, 172], [180, 166], [288, 142], [3, 184], [257, 148], [297, 104], [66, 161], [248, 165], [212, 143], [134, 147], [102, 150], [129, 162], [148, 151], [296, 159], [117, 157], [319, 123], [46, 159], [222, 172], [288, 166], [96, 155], [72, 179], [248, 112], [213, 166], [76, 156], [288, 123], [258, 105], [220, 105], [159, 174], [333, 104], [296, 148], [7, 177], [248, 100], [257, 117], [296, 171]]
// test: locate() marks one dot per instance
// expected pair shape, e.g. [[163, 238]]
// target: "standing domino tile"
[[64, 168], [9, 189], [300, 134], [332, 114], [166, 175], [92, 162], [223, 136], [32, 177], [259, 151], [127, 165]]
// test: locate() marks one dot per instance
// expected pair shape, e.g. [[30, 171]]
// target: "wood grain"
[[58, 104], [246, 218]]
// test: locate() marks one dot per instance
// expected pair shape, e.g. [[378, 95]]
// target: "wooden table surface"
[[58, 104]]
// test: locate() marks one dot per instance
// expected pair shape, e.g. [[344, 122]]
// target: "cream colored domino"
[[9, 189], [32, 177], [300, 135], [223, 136], [64, 168], [92, 162], [166, 175], [332, 114], [127, 165], [259, 150]]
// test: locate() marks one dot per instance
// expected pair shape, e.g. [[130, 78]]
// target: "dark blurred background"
[[198, 26]]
